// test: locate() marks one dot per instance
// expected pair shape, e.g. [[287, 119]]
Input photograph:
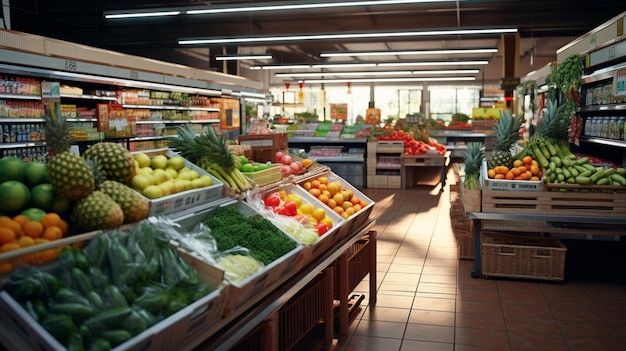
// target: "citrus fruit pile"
[[525, 169], [23, 231], [343, 201]]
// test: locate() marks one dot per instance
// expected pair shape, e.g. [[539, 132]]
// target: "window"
[[446, 101]]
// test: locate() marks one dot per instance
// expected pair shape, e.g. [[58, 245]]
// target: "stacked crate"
[[384, 164]]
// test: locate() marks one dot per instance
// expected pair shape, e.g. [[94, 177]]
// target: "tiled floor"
[[428, 301]]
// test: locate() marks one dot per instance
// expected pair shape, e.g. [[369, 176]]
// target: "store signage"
[[50, 90], [339, 112], [509, 83], [619, 85]]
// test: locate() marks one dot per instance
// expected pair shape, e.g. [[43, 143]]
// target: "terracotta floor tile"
[[394, 300], [436, 288], [438, 278], [522, 297], [405, 268], [434, 304], [442, 270], [480, 320], [594, 344], [413, 345], [536, 340], [361, 343], [373, 328], [426, 332], [527, 310], [587, 330], [461, 347], [474, 306], [482, 337], [432, 317], [572, 312], [530, 325], [386, 314]]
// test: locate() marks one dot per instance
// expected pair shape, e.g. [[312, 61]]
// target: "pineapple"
[[473, 160], [69, 174], [97, 211], [117, 162], [134, 206], [506, 133]]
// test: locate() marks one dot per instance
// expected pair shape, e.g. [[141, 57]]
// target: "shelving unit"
[[456, 141], [384, 164], [22, 137]]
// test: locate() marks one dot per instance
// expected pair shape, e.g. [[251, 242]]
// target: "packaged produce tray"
[[356, 220], [175, 203], [324, 242], [265, 177], [507, 185], [252, 287], [567, 203], [522, 256], [167, 334]]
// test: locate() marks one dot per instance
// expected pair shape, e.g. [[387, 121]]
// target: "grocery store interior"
[[437, 175]]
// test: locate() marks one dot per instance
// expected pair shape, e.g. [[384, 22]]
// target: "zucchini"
[[573, 171], [80, 280], [566, 173], [75, 343], [99, 345], [609, 171], [556, 160], [580, 168], [566, 162], [590, 167], [96, 300], [114, 295], [65, 295], [603, 181], [597, 176], [585, 174], [581, 161]]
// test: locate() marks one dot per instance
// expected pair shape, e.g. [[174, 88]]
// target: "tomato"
[[289, 208], [322, 228], [273, 200]]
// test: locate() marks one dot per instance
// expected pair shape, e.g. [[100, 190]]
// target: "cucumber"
[[581, 161], [585, 174], [566, 162], [115, 296], [99, 344], [603, 181], [106, 320], [115, 337], [65, 295], [556, 160], [609, 171], [566, 173], [552, 165], [573, 171], [621, 171], [618, 178], [95, 300], [560, 177], [597, 176], [589, 167], [60, 326], [583, 180], [77, 311], [80, 280], [580, 168]]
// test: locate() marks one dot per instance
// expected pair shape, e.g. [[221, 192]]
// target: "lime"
[[142, 159], [12, 168], [34, 214], [243, 159], [176, 162], [247, 168], [35, 173], [42, 196], [14, 196]]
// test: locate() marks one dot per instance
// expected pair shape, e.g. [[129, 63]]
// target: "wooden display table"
[[410, 162]]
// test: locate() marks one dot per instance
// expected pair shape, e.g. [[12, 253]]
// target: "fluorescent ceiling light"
[[299, 6], [432, 63], [362, 35], [389, 80], [380, 64], [376, 73], [243, 57], [132, 14], [413, 52]]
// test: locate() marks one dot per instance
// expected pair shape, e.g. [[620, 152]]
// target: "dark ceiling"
[[544, 26]]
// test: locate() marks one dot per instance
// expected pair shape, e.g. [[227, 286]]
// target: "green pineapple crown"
[[204, 148], [506, 130], [473, 159], [58, 138], [554, 123]]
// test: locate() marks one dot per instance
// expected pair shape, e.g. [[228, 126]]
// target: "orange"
[[21, 219], [6, 236], [333, 188], [491, 173], [33, 229], [518, 163], [25, 241], [523, 169], [327, 193], [364, 203], [516, 171], [534, 178], [52, 233], [338, 199], [524, 176], [323, 198], [64, 226], [306, 186], [534, 170], [346, 204], [355, 200], [338, 209], [509, 175], [323, 180], [7, 222], [34, 258], [6, 267], [501, 169], [527, 159], [534, 163], [315, 192], [306, 162], [9, 247], [332, 203], [357, 207], [499, 176], [315, 183], [345, 215], [322, 187], [349, 211], [51, 219]]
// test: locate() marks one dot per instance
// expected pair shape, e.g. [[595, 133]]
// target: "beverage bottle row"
[[608, 127], [25, 132]]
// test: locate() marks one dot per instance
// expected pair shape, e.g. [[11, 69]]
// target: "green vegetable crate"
[[176, 203], [168, 334], [245, 293]]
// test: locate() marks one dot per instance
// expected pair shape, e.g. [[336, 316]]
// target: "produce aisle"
[[428, 301]]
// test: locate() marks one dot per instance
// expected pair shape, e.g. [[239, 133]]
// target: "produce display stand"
[[410, 162]]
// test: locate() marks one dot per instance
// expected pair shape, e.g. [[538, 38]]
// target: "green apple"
[[161, 176], [139, 182]]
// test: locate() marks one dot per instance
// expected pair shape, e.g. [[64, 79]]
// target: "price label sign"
[[619, 83]]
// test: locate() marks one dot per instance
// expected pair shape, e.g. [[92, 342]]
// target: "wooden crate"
[[556, 203], [471, 199], [522, 256]]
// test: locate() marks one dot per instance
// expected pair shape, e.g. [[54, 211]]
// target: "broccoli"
[[265, 241]]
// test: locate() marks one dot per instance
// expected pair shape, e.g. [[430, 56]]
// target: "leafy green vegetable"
[[239, 267]]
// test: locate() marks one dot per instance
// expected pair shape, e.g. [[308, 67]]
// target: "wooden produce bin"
[[522, 256], [265, 146]]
